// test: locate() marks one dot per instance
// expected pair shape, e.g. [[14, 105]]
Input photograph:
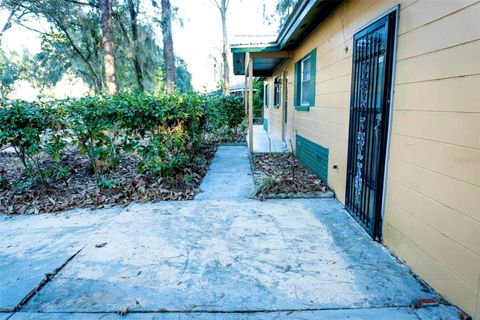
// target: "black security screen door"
[[369, 111]]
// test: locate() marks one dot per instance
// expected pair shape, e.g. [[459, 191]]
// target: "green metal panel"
[[313, 155], [265, 124], [313, 70]]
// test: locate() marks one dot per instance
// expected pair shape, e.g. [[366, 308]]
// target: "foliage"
[[165, 131], [224, 111], [283, 10], [93, 122], [73, 44], [9, 73], [31, 128], [263, 183], [258, 100]]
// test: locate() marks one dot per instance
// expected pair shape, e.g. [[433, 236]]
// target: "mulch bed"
[[80, 189], [288, 177]]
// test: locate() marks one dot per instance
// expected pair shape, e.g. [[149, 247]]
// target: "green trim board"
[[302, 108], [313, 156], [313, 71], [243, 49], [297, 83]]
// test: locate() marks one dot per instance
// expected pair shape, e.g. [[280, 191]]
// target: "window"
[[305, 74], [266, 95], [304, 95], [276, 92]]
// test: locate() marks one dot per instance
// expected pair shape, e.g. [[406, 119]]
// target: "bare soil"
[[79, 188]]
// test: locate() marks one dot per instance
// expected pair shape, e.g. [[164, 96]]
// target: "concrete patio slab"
[[434, 313], [5, 316], [33, 246], [229, 176], [231, 256]]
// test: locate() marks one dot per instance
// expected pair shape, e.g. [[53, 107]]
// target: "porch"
[[263, 142]]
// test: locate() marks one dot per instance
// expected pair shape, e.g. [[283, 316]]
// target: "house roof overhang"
[[305, 17]]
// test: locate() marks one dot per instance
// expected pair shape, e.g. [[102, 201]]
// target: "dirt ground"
[[286, 175], [79, 187]]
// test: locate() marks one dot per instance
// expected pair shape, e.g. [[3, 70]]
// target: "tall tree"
[[168, 54], [105, 7], [71, 44], [133, 10], [222, 6]]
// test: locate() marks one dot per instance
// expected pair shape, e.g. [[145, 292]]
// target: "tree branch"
[[89, 3], [77, 50], [216, 4]]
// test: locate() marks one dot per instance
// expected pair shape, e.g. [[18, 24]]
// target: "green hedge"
[[165, 131]]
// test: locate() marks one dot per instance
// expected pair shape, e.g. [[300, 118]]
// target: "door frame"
[[389, 91]]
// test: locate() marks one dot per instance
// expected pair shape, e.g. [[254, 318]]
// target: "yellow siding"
[[432, 204]]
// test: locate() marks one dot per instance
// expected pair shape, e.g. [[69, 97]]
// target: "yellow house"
[[382, 100]]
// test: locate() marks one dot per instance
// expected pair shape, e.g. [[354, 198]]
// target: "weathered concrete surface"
[[229, 176], [231, 256], [5, 316], [435, 313], [32, 246], [263, 142]]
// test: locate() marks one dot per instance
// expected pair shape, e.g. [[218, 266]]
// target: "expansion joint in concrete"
[[48, 277]]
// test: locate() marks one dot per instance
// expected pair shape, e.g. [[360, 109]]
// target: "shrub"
[[30, 128], [225, 112], [165, 131], [94, 124]]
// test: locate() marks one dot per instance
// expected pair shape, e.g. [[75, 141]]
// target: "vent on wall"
[[314, 156]]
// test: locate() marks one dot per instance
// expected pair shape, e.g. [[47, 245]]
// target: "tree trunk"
[[226, 68], [168, 55], [136, 60], [108, 51]]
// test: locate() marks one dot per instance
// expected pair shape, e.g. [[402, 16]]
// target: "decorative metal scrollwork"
[[364, 82], [358, 176]]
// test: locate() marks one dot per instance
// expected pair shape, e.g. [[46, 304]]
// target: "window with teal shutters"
[[304, 88], [313, 70], [296, 96]]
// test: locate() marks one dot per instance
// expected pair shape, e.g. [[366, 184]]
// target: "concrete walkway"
[[263, 142], [226, 258], [229, 176]]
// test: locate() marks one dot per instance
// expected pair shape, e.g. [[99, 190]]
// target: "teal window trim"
[[302, 108], [276, 92], [266, 95], [297, 82]]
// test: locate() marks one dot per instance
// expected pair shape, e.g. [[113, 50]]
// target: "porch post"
[[250, 105]]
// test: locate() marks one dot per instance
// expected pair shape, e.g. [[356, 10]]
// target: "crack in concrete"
[[48, 277]]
